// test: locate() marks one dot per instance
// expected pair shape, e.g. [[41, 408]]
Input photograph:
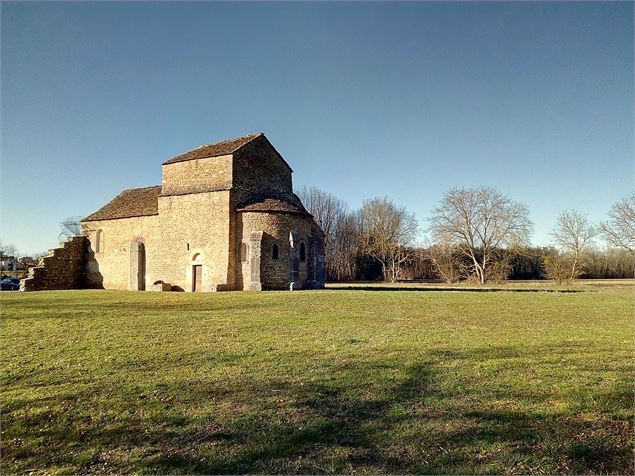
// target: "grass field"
[[367, 381]]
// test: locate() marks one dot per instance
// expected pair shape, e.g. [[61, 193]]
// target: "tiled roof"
[[214, 150], [274, 202], [135, 202]]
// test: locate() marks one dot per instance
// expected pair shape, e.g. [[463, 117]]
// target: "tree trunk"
[[575, 263], [480, 270], [484, 262]]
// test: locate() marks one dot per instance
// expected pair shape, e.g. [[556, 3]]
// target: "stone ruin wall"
[[63, 268]]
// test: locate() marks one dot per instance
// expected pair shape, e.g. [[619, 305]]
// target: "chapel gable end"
[[206, 168], [246, 164], [259, 168]]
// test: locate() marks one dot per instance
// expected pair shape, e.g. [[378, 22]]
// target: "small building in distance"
[[26, 262], [224, 218]]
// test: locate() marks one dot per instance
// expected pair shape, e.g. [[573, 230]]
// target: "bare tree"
[[6, 250], [480, 221], [419, 265], [325, 208], [558, 266], [339, 228], [619, 230], [344, 248], [385, 232], [574, 234], [445, 262]]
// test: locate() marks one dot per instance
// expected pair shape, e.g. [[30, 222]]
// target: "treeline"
[[474, 234], [525, 264]]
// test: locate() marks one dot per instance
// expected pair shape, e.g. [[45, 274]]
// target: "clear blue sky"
[[362, 99]]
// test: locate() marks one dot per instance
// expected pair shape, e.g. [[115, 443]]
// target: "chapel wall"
[[197, 175], [276, 227], [258, 169]]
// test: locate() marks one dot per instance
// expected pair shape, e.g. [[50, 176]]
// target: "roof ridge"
[[139, 188], [224, 147], [252, 136]]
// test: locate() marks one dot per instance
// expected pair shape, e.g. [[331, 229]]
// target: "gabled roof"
[[225, 147], [135, 202]]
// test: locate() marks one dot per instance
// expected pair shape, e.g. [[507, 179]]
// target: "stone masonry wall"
[[276, 226], [188, 228], [63, 268], [257, 168], [198, 175], [110, 267], [197, 224]]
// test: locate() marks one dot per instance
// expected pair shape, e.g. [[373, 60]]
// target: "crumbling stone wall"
[[63, 268]]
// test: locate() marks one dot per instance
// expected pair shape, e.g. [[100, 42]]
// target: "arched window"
[[244, 252], [274, 252], [99, 241], [302, 252]]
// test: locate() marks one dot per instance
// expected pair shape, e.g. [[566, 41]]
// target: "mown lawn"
[[335, 381]]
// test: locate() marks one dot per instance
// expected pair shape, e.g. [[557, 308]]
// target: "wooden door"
[[197, 278], [141, 268]]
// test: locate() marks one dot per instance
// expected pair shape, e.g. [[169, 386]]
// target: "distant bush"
[[558, 266]]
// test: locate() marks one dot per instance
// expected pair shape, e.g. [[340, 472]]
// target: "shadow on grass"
[[367, 421], [453, 289]]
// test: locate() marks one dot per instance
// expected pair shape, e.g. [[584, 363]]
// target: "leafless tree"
[[418, 266], [386, 230], [619, 230], [325, 208], [344, 248], [339, 227], [609, 263], [479, 221], [574, 234], [444, 258], [6, 250], [558, 266]]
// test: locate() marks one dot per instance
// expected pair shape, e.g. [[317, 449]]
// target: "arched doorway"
[[137, 266]]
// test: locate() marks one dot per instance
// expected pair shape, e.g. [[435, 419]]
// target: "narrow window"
[[302, 252], [274, 252], [244, 252], [99, 241]]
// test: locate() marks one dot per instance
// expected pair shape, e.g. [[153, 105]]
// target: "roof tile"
[[135, 202], [273, 201], [213, 150]]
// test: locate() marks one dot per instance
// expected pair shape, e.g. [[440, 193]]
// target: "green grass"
[[333, 381]]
